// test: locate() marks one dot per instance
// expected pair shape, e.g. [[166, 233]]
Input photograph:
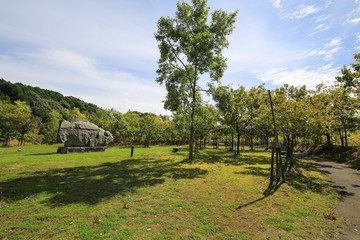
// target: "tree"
[[180, 128], [344, 109], [350, 78], [51, 127], [254, 99], [133, 123], [10, 91], [16, 121], [232, 105], [7, 119], [119, 127], [205, 122], [191, 46], [103, 118], [148, 129], [74, 113]]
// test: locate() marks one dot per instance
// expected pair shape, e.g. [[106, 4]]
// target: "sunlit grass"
[[157, 194]]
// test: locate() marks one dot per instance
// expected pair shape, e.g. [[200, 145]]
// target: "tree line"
[[18, 122], [327, 114]]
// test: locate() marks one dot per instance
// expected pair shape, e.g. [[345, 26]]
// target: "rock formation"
[[83, 135]]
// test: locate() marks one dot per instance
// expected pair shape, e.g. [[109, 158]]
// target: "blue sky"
[[104, 52]]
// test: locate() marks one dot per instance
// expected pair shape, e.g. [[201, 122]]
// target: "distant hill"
[[42, 101]]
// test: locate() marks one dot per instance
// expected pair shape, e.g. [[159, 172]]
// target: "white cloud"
[[328, 4], [322, 24], [322, 27], [357, 41], [322, 18], [65, 60], [355, 20], [303, 12], [328, 50], [73, 74], [358, 38], [354, 16], [105, 30], [298, 77], [334, 42], [277, 3], [329, 54]]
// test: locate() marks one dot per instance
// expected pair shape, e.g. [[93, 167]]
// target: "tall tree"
[[8, 117], [205, 122], [148, 129], [190, 45], [232, 105], [17, 121], [344, 112]]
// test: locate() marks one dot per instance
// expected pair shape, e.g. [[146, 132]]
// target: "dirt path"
[[347, 182]]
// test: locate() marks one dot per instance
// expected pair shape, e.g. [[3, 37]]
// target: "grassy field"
[[157, 195]]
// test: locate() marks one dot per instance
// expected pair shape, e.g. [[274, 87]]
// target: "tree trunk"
[[191, 140], [281, 167], [328, 138], [232, 141], [192, 115], [277, 167], [291, 154], [267, 143], [272, 166], [7, 140], [288, 157], [238, 144], [22, 139], [251, 143], [346, 139], [341, 138]]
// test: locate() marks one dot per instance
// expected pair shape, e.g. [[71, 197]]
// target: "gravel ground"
[[347, 182]]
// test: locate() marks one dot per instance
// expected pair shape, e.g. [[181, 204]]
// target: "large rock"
[[80, 133]]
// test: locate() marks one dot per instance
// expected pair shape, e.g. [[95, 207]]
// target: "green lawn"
[[157, 194]]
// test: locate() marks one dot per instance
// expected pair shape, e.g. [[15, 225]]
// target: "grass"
[[157, 194]]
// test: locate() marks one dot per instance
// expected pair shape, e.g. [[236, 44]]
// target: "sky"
[[104, 52]]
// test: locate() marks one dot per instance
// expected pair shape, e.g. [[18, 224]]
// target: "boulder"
[[81, 133]]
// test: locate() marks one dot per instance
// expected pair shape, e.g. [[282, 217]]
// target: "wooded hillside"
[[32, 114], [41, 101]]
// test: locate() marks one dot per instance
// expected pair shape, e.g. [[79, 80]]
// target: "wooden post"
[[273, 116], [272, 167], [279, 165], [132, 151]]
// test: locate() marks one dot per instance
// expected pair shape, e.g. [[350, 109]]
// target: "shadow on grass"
[[41, 154], [297, 178], [268, 192], [212, 156], [92, 184], [256, 171]]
